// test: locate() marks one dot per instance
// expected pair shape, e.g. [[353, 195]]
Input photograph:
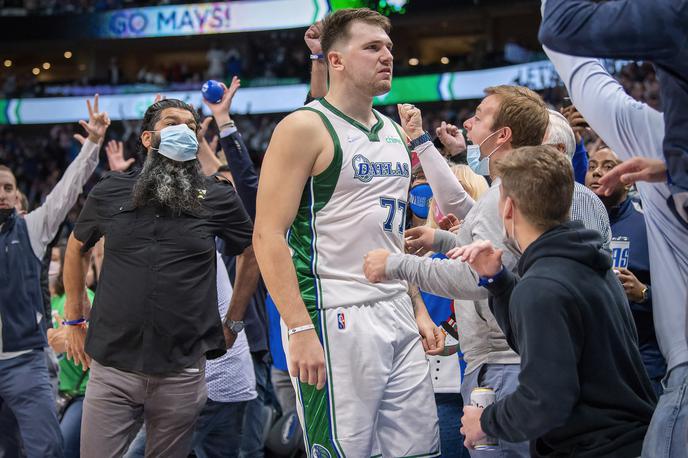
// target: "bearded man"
[[155, 318]]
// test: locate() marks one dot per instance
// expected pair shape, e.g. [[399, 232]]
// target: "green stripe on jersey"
[[302, 234], [320, 429]]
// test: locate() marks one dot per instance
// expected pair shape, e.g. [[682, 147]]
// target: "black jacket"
[[583, 390]]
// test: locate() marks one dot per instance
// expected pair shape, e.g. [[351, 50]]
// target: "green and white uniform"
[[379, 396]]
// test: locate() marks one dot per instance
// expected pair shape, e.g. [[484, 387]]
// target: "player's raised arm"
[[298, 149]]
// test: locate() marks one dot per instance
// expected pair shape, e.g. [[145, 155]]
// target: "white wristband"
[[306, 327]]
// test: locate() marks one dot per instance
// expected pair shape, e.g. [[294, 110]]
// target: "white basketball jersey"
[[356, 205]]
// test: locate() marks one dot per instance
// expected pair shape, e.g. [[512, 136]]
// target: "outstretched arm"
[[622, 29], [44, 222]]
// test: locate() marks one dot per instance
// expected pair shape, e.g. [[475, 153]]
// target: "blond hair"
[[523, 111], [539, 179], [474, 184]]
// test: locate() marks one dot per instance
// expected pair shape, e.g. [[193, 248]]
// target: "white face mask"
[[479, 165], [510, 242], [53, 271]]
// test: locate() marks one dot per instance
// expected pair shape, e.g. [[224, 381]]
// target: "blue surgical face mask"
[[479, 165], [178, 143], [419, 200]]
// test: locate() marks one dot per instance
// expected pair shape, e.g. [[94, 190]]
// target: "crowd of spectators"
[[554, 229], [40, 154]]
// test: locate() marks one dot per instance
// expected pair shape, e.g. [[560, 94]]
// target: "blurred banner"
[[284, 98], [208, 18], [183, 20]]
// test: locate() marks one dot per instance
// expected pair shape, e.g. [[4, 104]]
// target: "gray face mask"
[[510, 242]]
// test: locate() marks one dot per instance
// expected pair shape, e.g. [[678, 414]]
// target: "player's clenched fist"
[[307, 358]]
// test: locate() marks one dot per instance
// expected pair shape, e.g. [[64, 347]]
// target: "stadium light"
[[413, 61], [36, 71], [68, 54], [8, 63], [46, 65], [444, 60]]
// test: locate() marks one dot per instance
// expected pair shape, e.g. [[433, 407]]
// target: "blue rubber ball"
[[212, 91]]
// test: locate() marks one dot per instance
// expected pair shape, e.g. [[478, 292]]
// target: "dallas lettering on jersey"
[[365, 170]]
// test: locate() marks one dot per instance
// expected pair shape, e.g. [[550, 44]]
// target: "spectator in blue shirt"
[[627, 220]]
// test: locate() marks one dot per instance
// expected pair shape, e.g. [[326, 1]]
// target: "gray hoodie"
[[480, 337]]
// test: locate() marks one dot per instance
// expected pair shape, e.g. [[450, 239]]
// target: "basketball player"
[[335, 180]]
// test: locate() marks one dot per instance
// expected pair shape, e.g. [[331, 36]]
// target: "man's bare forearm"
[[74, 278], [318, 79], [417, 300], [245, 283], [279, 274]]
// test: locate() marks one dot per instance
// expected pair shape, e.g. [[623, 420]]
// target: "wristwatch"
[[235, 327], [644, 293], [416, 142]]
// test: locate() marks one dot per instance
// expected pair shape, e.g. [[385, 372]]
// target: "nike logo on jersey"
[[365, 170]]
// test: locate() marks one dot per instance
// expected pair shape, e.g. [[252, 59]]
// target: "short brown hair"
[[540, 180], [336, 26], [4, 168], [522, 110]]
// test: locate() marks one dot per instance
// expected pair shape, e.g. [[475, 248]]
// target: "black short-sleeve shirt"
[[155, 309]]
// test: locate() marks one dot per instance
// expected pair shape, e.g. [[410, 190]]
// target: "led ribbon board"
[[281, 99], [209, 18]]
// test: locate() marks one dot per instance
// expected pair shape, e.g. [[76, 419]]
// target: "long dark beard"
[[170, 184]]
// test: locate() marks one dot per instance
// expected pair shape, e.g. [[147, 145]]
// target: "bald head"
[[559, 134]]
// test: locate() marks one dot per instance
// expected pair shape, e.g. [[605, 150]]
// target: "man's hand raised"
[[97, 124], [411, 120], [452, 138], [115, 156], [312, 38], [221, 109]]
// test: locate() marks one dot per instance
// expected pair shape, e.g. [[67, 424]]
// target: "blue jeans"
[[667, 436], [10, 440], [218, 430], [503, 379], [255, 417], [137, 448], [25, 389], [71, 427], [449, 413]]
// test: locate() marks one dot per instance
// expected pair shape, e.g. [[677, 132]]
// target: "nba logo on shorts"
[[318, 451], [341, 321]]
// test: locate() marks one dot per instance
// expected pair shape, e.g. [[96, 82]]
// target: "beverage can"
[[620, 247], [482, 397]]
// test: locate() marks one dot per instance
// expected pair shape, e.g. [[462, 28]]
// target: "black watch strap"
[[416, 142]]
